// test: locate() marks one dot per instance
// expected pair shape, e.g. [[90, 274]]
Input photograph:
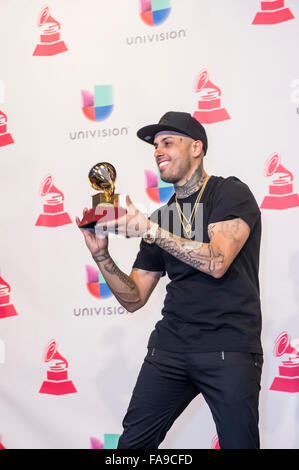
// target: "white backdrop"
[[205, 57]]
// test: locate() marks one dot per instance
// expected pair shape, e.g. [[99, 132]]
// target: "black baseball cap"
[[178, 122]]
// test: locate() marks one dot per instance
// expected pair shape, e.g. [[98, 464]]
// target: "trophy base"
[[53, 220], [273, 17], [50, 49], [210, 116], [7, 311], [6, 139], [57, 388], [284, 384], [280, 202], [101, 212]]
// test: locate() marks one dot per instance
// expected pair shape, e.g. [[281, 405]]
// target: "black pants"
[[168, 381]]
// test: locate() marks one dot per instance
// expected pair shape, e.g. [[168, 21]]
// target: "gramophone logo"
[[53, 214], [154, 12], [6, 308], [57, 382], [273, 12], [156, 189], [50, 42], [209, 108], [98, 106], [288, 377], [96, 284], [280, 194], [5, 136]]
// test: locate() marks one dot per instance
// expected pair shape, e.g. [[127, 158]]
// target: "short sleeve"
[[233, 199], [150, 258]]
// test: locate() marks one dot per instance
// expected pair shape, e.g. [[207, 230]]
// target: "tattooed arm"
[[131, 291], [214, 258]]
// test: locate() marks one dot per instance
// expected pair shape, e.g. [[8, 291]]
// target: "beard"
[[176, 174], [168, 179]]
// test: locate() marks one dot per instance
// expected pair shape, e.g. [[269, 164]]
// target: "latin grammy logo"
[[288, 378], [281, 194], [209, 102], [50, 43], [5, 137], [57, 382], [53, 210], [273, 12], [6, 308]]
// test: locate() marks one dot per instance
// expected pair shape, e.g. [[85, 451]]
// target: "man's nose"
[[158, 151]]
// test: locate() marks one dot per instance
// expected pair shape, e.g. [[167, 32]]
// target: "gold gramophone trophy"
[[105, 204]]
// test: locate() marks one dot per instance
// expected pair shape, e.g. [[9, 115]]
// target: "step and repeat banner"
[[77, 80]]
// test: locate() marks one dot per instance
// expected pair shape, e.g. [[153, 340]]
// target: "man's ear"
[[197, 148]]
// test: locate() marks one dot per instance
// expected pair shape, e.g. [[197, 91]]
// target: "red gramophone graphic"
[[209, 103], [272, 13], [5, 137], [6, 308], [57, 382], [53, 210], [281, 194], [288, 379], [50, 43]]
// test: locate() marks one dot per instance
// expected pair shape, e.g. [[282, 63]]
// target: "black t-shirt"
[[202, 313]]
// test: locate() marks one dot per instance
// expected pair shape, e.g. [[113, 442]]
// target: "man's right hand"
[[95, 243]]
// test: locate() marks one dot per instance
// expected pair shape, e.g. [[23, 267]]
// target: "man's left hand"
[[133, 224]]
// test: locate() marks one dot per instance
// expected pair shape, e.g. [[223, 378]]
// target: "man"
[[208, 340]]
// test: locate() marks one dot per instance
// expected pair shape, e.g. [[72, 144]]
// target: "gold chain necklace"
[[188, 227]]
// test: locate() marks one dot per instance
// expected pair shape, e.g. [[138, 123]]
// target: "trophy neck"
[[105, 199]]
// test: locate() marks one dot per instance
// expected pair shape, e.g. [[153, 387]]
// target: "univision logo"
[[96, 284], [98, 106], [154, 12], [156, 189]]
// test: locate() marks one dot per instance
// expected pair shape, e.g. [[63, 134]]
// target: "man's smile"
[[162, 164]]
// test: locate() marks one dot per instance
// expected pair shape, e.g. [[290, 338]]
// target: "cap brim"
[[148, 133]]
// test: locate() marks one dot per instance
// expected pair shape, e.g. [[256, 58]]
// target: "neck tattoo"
[[192, 185]]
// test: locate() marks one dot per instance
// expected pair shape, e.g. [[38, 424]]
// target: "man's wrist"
[[100, 256], [151, 234]]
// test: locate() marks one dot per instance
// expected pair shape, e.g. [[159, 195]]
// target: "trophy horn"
[[102, 176]]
